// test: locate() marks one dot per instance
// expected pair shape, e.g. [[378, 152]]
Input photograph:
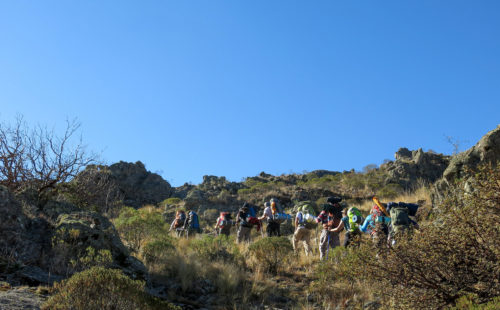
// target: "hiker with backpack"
[[224, 223], [305, 222], [331, 220], [274, 216], [192, 224], [352, 224], [377, 223], [178, 223], [244, 224], [401, 223]]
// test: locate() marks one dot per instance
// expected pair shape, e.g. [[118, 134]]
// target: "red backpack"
[[224, 219]]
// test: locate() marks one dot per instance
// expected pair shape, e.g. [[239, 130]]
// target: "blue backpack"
[[194, 220], [251, 211]]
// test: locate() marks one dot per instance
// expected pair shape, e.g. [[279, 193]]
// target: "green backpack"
[[307, 208], [355, 219], [400, 220]]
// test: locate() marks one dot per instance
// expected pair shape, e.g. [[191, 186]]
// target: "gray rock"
[[139, 186], [33, 276], [487, 150], [20, 299], [85, 229], [412, 166]]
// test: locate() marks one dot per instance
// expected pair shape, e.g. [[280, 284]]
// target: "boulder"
[[463, 165], [21, 298], [139, 186], [487, 150], [182, 191], [194, 197], [412, 166], [75, 232]]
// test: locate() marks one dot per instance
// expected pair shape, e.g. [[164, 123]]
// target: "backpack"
[[277, 208], [225, 219], [307, 209], [400, 220], [355, 219], [180, 218], [244, 218], [280, 217], [251, 211], [307, 220], [194, 220], [412, 208]]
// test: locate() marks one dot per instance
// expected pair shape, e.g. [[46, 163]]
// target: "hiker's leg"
[[248, 230], [334, 240], [295, 239], [269, 228], [239, 234], [323, 243], [347, 239], [307, 241]]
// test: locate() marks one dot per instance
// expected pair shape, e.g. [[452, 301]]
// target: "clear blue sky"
[[234, 88]]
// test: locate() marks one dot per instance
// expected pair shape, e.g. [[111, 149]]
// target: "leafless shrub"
[[39, 158]]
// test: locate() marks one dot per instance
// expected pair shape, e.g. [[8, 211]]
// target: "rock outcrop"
[[15, 238], [139, 186], [412, 166], [487, 150], [43, 246], [77, 231]]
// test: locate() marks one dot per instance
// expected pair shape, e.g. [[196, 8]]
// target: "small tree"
[[38, 158]]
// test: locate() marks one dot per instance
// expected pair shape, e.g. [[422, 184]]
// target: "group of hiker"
[[385, 223]]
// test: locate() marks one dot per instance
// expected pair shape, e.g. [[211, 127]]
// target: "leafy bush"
[[171, 201], [390, 191], [156, 251], [271, 253], [455, 257], [138, 226], [338, 279], [102, 289], [469, 302], [210, 215], [101, 258], [216, 248]]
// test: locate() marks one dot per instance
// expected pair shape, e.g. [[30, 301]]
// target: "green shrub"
[[102, 289], [271, 253], [390, 191], [338, 279], [213, 248], [157, 251], [211, 216], [138, 226], [171, 201], [92, 258], [469, 302]]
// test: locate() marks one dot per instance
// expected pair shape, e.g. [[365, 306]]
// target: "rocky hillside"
[[133, 185], [44, 241], [48, 238]]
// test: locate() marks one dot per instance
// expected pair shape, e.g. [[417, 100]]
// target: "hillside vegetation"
[[98, 237]]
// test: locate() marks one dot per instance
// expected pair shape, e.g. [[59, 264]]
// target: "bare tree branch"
[[38, 158]]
